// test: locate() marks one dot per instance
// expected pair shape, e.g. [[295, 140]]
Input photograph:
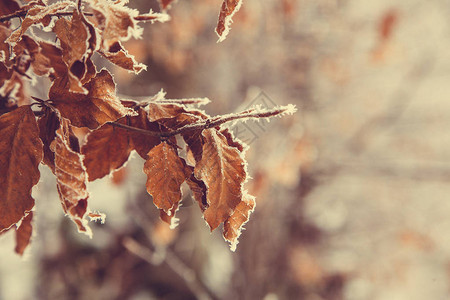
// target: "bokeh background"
[[352, 191]]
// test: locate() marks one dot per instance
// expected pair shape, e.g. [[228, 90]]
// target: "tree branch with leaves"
[[35, 131]]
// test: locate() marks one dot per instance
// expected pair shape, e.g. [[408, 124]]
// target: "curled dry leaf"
[[233, 225], [20, 155], [227, 11], [99, 106], [166, 171], [73, 35], [71, 176], [23, 234], [223, 170], [120, 57]]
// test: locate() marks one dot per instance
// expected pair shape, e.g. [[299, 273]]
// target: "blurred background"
[[352, 191]]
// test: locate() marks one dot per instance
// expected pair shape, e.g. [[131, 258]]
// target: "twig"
[[23, 13], [176, 264], [212, 122]]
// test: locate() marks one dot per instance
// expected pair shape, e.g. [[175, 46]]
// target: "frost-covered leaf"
[[166, 172], [107, 149], [223, 170], [115, 21], [20, 155], [99, 106], [73, 35], [227, 11], [120, 57], [71, 176], [44, 58], [39, 14], [23, 234], [233, 225]]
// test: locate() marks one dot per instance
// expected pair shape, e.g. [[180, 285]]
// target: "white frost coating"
[[159, 17], [227, 23], [235, 242], [185, 101], [100, 217], [159, 96]]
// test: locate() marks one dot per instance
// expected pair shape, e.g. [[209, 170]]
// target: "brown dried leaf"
[[48, 124], [169, 217], [73, 36], [165, 173], [20, 155], [229, 8], [12, 90], [233, 225], [44, 58], [222, 169], [71, 176], [8, 7], [198, 189], [96, 108], [115, 21], [5, 54], [38, 14], [23, 234], [106, 150], [120, 57]]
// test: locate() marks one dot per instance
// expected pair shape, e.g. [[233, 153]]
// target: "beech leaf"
[[165, 173], [71, 176], [73, 35], [120, 57], [99, 106], [8, 7], [107, 149], [233, 225], [20, 155], [223, 171], [227, 11]]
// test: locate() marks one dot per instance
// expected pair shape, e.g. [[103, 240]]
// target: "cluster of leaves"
[[35, 131]]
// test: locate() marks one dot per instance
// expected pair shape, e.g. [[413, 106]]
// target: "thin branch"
[[23, 13], [214, 122]]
